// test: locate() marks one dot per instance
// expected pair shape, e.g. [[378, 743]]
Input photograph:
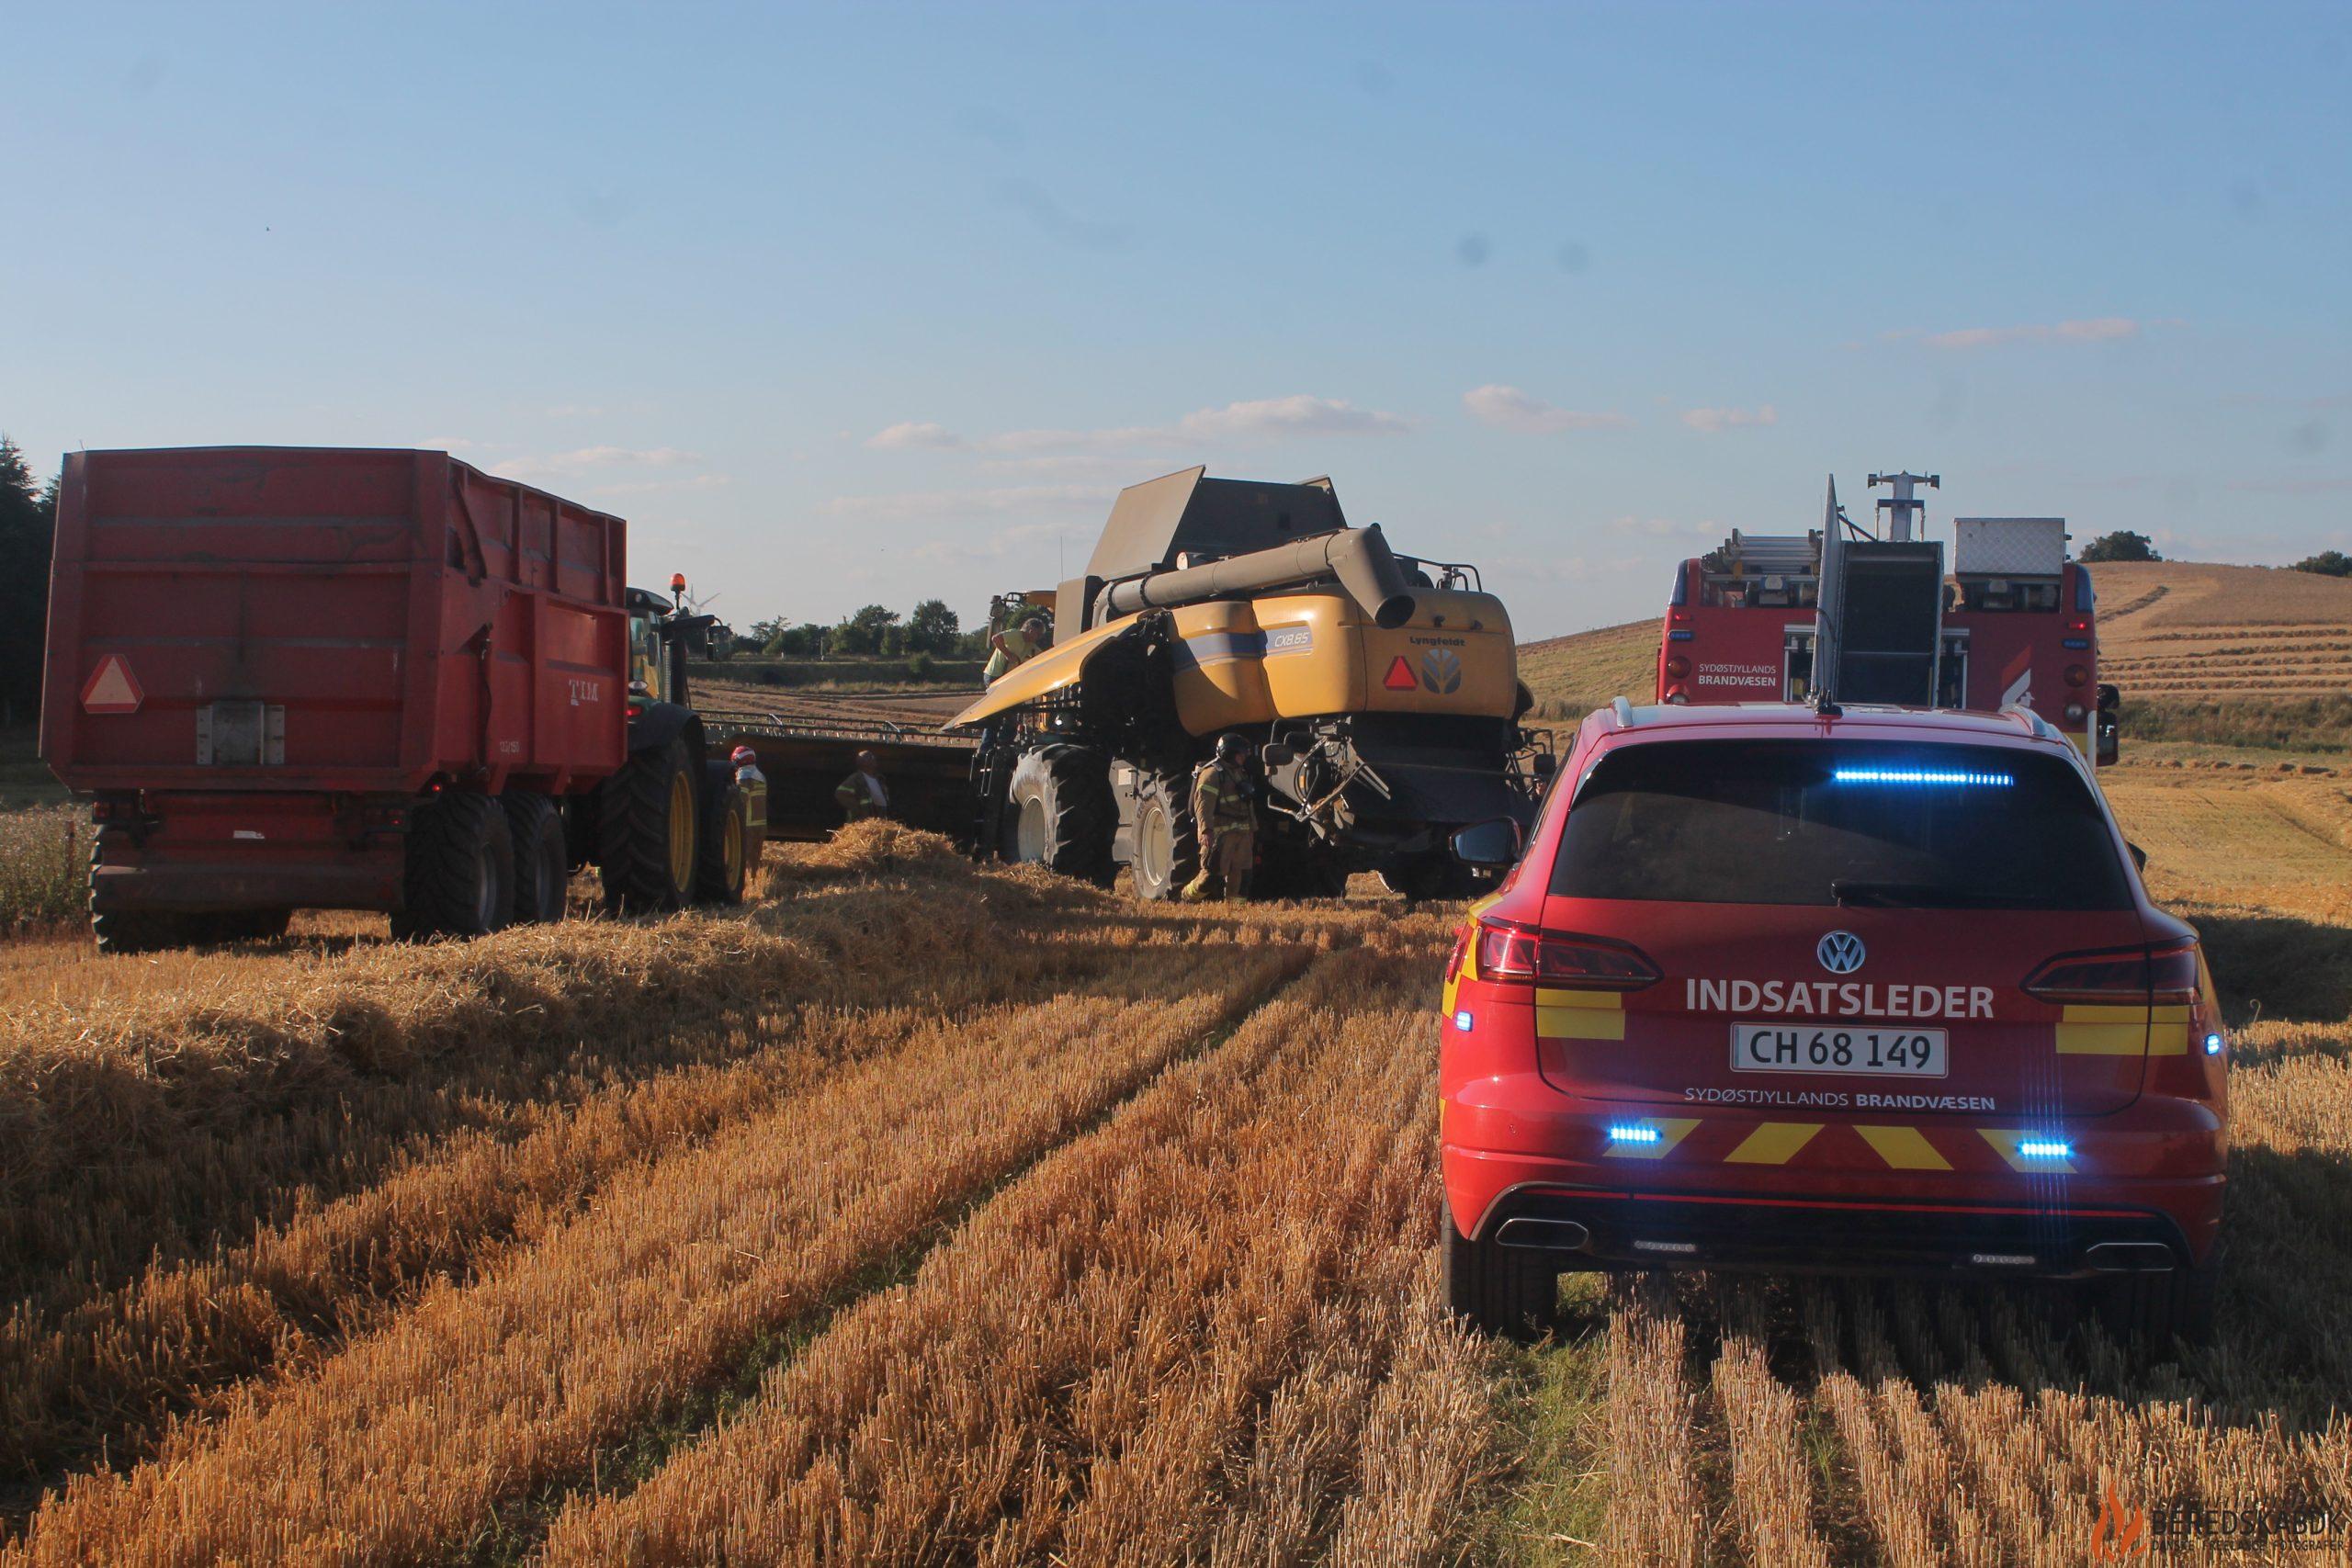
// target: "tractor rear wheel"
[[1059, 812], [1168, 845], [542, 863], [725, 860], [646, 842], [460, 875]]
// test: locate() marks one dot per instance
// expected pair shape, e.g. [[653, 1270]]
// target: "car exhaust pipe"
[[1544, 1236], [2132, 1258], [1359, 557]]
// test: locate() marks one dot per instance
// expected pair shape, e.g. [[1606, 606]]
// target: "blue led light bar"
[[2212, 1045], [1921, 776], [1634, 1132], [1462, 1021], [2044, 1148]]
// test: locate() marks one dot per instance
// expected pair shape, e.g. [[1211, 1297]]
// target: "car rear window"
[[1829, 822]]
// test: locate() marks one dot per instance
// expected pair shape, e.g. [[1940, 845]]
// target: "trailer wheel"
[[1059, 812], [461, 876], [542, 860], [1513, 1292], [1168, 845], [646, 838], [725, 858]]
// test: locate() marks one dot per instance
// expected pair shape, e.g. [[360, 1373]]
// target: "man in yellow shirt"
[[1016, 646]]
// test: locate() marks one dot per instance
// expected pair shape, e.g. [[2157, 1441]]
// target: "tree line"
[[931, 627], [27, 533]]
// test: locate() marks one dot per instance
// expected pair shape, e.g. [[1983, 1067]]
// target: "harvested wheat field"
[[924, 1213]]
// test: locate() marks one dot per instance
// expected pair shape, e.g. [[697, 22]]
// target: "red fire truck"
[[1865, 616]]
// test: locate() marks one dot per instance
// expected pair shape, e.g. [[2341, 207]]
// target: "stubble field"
[[920, 1212]]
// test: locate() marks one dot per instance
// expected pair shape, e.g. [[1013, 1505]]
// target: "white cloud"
[[947, 504], [1711, 420], [647, 487], [1253, 422], [912, 436], [2094, 329], [1508, 408]]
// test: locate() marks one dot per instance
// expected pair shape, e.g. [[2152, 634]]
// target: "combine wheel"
[[1168, 848], [460, 877], [1059, 812], [542, 863], [725, 860], [1429, 876], [1509, 1290], [645, 836]]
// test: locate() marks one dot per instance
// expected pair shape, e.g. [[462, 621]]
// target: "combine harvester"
[[1379, 695], [1873, 618], [316, 677]]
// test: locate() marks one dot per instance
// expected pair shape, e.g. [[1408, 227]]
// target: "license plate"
[[1874, 1049]]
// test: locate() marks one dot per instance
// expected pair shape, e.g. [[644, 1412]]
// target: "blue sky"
[[851, 303]]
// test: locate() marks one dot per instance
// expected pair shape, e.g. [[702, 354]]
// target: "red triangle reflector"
[[1400, 676]]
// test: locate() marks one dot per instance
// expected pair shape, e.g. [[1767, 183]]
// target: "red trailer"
[[366, 680]]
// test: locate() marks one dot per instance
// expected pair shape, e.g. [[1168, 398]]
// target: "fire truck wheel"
[[646, 837], [725, 859], [1059, 812], [2151, 1310], [461, 876], [1511, 1292], [542, 863], [1168, 848]]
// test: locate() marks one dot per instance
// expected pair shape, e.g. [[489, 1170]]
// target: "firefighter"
[[753, 784], [1016, 646], [1224, 815], [863, 794]]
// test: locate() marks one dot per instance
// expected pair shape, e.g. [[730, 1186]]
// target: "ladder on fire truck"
[[1879, 623]]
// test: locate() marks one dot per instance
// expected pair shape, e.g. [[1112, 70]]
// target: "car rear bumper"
[[1601, 1228], [1889, 1193]]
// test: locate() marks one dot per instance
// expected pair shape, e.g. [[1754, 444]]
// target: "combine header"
[[1863, 615], [1379, 695]]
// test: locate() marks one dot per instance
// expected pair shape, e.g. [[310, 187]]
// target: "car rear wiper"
[[1926, 895]]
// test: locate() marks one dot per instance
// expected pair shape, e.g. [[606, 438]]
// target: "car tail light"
[[635, 710], [1677, 668], [2076, 675], [1676, 694], [1515, 953], [2164, 975], [1677, 616], [2078, 624]]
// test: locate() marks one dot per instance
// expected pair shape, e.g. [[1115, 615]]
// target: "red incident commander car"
[[1861, 990]]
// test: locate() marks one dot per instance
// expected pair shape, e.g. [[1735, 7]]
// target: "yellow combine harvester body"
[[1376, 698], [1250, 661]]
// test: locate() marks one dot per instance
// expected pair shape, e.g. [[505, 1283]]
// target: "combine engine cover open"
[[1379, 695]]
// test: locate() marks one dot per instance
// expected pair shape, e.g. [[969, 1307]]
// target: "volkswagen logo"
[[1840, 952], [1442, 670]]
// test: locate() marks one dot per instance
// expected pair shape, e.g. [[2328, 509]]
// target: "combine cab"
[[1379, 695], [1865, 617]]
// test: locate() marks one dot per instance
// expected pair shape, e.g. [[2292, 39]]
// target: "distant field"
[[1572, 675]]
